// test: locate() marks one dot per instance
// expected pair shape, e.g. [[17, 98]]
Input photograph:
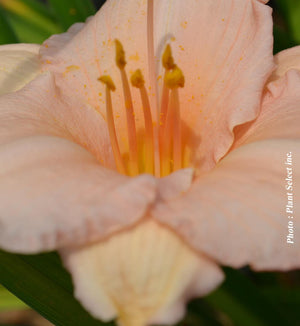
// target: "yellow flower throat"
[[170, 149]]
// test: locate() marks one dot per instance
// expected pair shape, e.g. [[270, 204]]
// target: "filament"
[[177, 141], [138, 81], [111, 124]]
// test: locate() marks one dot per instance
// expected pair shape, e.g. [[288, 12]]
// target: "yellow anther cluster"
[[137, 79], [158, 153], [108, 82], [174, 78], [120, 55], [167, 58]]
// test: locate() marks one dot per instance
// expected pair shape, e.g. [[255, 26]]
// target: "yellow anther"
[[167, 58], [137, 79], [120, 55], [174, 78], [108, 82]]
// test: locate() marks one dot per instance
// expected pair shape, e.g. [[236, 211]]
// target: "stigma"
[[159, 153]]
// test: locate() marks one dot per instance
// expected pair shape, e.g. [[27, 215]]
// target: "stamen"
[[105, 79], [166, 142], [177, 141], [131, 129], [168, 64], [175, 79], [167, 58], [166, 116], [164, 150], [110, 86], [138, 81], [120, 55]]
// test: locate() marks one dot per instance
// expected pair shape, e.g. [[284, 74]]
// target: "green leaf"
[[242, 301], [72, 11], [32, 14], [9, 302], [282, 40], [26, 32], [42, 283], [39, 7], [290, 9], [287, 300], [201, 313], [7, 34]]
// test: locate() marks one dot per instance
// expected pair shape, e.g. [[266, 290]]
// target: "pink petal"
[[280, 114], [175, 184], [236, 214], [286, 60], [54, 193], [225, 51], [224, 48], [19, 64], [41, 109]]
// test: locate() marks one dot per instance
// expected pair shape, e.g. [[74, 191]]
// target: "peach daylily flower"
[[146, 190]]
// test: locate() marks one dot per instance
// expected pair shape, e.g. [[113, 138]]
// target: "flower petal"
[[225, 51], [41, 109], [87, 51], [286, 60], [175, 184], [19, 64], [280, 114], [53, 193], [225, 72], [143, 275], [236, 214]]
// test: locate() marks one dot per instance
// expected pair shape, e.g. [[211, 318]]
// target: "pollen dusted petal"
[[19, 64], [91, 47], [225, 72], [141, 276], [41, 109], [224, 49]]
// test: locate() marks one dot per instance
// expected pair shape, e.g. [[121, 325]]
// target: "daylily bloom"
[[146, 189]]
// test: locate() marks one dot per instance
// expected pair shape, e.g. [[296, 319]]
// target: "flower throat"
[[162, 150]]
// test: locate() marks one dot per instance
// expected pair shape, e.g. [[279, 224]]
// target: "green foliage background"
[[245, 299]]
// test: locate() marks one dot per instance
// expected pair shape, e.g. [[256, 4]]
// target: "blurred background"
[[33, 21], [246, 298]]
